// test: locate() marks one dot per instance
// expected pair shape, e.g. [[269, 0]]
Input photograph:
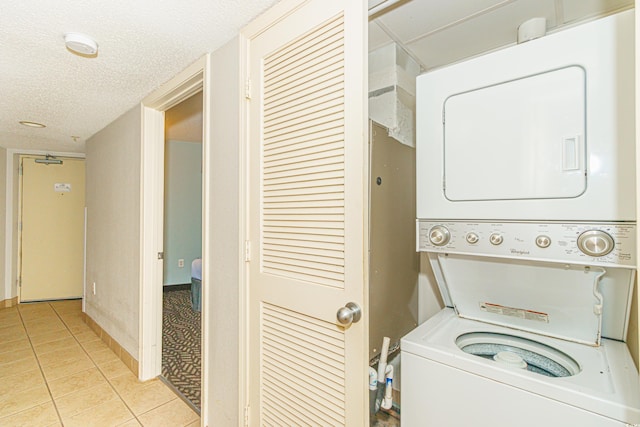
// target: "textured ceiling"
[[142, 44]]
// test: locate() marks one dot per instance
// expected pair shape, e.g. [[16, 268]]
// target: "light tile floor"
[[55, 371]]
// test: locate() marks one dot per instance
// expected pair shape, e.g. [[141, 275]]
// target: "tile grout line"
[[135, 416], [46, 382], [63, 314], [98, 367], [179, 395]]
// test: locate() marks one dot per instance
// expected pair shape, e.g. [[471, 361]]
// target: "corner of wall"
[[222, 165], [113, 228]]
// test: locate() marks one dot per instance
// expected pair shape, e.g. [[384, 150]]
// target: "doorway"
[[182, 242], [51, 231]]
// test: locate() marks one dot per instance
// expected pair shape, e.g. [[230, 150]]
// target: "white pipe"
[[382, 364], [387, 402]]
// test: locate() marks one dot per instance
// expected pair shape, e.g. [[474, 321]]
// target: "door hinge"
[[160, 255], [247, 250], [247, 89], [20, 226], [246, 416]]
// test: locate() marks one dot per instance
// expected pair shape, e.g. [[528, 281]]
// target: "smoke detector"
[[81, 44]]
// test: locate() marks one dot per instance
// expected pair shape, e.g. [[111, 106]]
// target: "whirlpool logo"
[[519, 252]]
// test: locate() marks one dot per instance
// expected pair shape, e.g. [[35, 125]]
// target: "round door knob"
[[349, 314], [439, 235], [595, 243]]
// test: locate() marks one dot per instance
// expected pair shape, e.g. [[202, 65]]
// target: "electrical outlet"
[[181, 263], [94, 288]]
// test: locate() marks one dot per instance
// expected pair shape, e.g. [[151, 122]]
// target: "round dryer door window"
[[519, 353]]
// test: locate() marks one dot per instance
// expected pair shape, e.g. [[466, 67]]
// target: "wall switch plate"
[[181, 263]]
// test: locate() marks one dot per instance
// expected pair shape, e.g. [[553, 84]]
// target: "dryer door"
[[521, 139]]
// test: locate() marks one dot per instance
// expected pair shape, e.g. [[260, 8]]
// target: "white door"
[[307, 217], [52, 237]]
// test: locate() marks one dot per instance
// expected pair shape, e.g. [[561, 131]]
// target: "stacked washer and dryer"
[[526, 210]]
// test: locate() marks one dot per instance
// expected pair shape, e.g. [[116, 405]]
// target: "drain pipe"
[[387, 402], [382, 368]]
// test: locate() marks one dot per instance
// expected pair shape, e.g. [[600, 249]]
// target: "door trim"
[[181, 87], [11, 254]]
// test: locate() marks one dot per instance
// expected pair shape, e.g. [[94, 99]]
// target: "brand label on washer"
[[514, 312]]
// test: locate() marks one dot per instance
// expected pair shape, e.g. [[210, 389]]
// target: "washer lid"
[[558, 300]]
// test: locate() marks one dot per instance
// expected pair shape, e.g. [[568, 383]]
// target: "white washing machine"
[[526, 209], [442, 386], [522, 339]]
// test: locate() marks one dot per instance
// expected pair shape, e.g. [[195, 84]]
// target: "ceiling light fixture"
[[81, 44], [31, 124]]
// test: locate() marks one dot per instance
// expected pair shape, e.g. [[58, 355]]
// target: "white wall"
[[222, 291], [182, 209], [113, 228]]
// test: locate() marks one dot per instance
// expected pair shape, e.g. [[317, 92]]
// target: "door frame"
[[12, 254], [187, 83]]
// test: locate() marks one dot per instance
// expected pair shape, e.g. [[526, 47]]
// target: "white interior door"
[[52, 237], [307, 217]]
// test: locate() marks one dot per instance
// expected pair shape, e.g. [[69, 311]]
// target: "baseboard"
[[126, 358], [180, 287], [6, 303]]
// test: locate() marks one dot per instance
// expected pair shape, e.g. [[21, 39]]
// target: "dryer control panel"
[[612, 244]]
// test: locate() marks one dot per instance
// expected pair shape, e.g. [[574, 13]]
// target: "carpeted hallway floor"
[[181, 353]]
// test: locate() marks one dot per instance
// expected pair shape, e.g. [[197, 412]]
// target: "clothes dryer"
[[540, 131]]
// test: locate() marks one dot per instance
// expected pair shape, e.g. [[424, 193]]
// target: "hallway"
[[55, 371]]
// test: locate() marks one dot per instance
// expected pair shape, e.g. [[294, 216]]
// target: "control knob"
[[543, 241], [496, 239], [595, 243], [439, 235], [472, 238]]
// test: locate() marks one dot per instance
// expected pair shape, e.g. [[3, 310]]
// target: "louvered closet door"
[[306, 216]]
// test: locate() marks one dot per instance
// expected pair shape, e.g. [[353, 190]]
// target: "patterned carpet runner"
[[181, 357]]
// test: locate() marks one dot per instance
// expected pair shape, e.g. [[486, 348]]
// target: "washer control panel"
[[584, 243]]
